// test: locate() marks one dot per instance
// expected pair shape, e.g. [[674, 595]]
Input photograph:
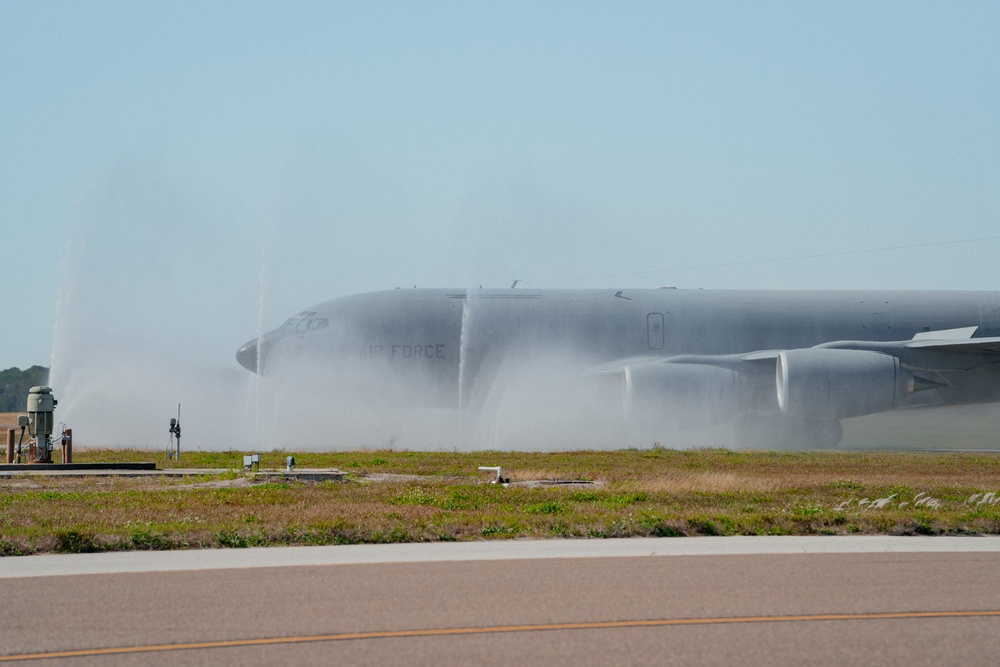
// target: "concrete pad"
[[80, 467]]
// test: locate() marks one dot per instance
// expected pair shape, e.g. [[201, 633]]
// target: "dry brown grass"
[[711, 482]]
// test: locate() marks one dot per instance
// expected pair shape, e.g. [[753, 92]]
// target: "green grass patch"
[[657, 492]]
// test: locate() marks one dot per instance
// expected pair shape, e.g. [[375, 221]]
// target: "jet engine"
[[825, 384], [664, 395]]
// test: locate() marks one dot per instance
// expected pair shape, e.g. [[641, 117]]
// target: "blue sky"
[[175, 175]]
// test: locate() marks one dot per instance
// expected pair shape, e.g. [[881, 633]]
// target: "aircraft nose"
[[247, 356]]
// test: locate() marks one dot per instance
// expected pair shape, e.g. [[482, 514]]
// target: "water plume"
[[126, 350]]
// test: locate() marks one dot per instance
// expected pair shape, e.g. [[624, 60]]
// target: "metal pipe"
[[67, 446], [44, 449]]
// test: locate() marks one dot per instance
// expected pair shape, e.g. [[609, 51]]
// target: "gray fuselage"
[[449, 339]]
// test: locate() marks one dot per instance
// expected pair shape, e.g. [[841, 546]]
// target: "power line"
[[749, 262]]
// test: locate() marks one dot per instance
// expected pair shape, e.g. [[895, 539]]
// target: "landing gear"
[[781, 431], [825, 434]]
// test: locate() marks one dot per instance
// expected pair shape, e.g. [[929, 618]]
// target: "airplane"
[[784, 366]]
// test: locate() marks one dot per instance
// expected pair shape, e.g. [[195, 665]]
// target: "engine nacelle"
[[664, 395], [819, 383]]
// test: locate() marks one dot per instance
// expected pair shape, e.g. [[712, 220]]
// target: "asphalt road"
[[896, 606]]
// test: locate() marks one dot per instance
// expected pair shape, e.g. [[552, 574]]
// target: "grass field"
[[639, 493]]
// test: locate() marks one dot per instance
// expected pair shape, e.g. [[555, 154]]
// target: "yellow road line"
[[441, 632]]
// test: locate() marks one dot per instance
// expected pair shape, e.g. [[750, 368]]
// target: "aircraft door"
[[654, 331]]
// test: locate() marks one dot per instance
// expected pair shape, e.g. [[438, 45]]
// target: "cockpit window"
[[306, 323]]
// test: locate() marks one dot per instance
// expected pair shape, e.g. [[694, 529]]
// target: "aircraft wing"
[[972, 346], [832, 381], [949, 350]]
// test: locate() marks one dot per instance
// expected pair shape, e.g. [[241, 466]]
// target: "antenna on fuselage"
[[514, 284]]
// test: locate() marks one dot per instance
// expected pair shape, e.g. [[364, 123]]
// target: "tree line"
[[14, 386]]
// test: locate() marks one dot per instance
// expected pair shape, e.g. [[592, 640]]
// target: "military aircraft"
[[784, 366]]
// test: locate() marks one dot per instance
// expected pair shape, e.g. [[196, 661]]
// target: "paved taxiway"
[[725, 601]]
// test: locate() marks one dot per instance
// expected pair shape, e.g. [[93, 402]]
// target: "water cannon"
[[41, 409]]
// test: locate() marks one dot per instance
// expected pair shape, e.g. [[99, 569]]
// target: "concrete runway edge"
[[48, 565]]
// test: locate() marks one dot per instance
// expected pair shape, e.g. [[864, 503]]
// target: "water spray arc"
[[464, 343]]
